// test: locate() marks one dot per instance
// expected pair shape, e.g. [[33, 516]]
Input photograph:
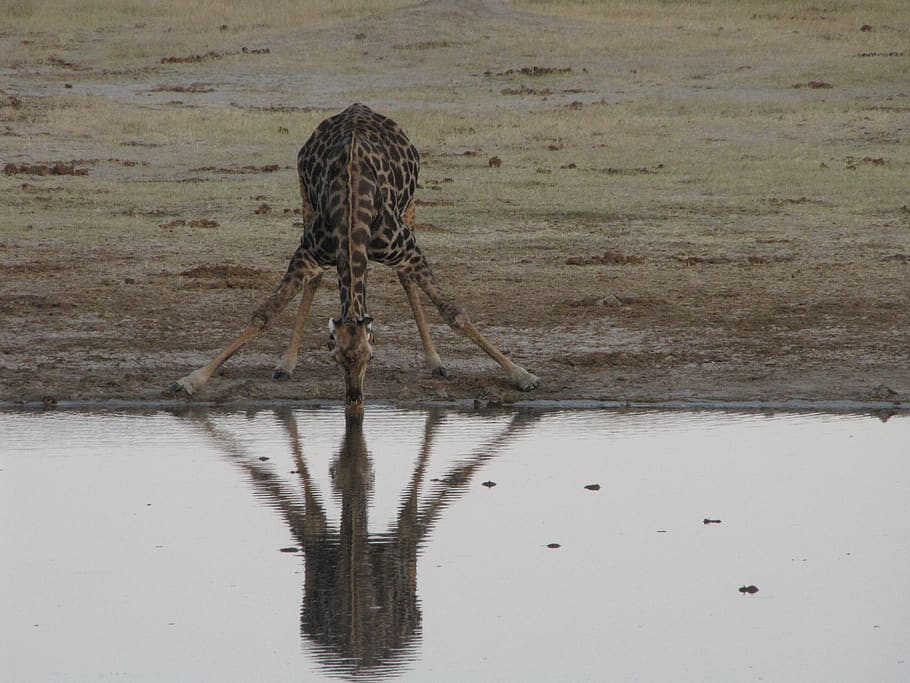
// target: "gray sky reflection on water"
[[147, 546]]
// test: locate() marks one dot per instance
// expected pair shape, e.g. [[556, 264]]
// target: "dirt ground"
[[637, 207]]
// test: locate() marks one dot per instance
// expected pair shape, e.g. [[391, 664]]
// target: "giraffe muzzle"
[[353, 388]]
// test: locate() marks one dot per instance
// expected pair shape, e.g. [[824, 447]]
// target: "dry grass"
[[126, 33], [190, 18], [667, 128], [707, 111]]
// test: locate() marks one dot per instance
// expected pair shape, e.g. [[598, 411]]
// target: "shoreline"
[[758, 405]]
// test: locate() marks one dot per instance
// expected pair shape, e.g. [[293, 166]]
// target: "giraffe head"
[[351, 344]]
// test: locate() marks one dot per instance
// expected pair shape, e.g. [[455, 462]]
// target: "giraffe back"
[[358, 173]]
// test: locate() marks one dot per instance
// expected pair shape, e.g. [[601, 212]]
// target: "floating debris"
[[489, 484], [593, 487], [751, 590], [290, 549], [711, 521], [553, 545]]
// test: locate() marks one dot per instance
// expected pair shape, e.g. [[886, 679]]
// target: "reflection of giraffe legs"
[[306, 523], [360, 606], [407, 511], [457, 478], [313, 522]]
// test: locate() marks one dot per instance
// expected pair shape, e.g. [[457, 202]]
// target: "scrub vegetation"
[[638, 200]]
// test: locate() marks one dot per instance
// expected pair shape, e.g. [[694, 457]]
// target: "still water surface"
[[281, 545]]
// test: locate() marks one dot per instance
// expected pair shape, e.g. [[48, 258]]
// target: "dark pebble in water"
[[290, 549], [489, 484], [593, 487], [751, 590], [553, 545]]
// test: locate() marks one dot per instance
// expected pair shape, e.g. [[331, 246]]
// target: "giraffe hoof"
[[440, 371], [179, 389], [528, 382], [281, 375]]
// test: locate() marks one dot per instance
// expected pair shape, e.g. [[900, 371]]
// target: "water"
[[277, 546]]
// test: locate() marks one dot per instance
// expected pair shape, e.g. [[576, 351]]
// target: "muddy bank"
[[678, 228]]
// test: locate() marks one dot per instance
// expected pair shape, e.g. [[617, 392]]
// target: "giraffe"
[[357, 173]]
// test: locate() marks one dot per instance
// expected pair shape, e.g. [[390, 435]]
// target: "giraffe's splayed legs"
[[434, 363], [459, 321], [302, 269], [357, 174], [285, 366]]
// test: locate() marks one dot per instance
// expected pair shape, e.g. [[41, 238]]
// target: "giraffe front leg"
[[434, 363], [285, 366], [192, 382], [301, 267], [458, 320]]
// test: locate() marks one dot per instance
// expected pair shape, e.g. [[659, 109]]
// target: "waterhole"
[[437, 545]]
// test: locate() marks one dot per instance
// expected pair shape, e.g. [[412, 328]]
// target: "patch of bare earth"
[[615, 224]]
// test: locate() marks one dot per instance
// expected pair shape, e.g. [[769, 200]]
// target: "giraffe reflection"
[[360, 607]]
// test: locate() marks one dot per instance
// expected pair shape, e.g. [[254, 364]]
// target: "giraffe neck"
[[354, 238]]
